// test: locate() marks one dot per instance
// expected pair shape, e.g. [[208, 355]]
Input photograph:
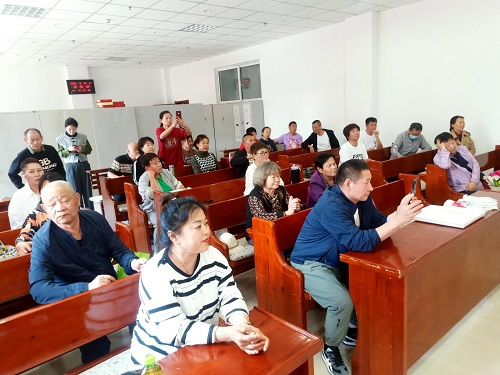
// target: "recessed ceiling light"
[[114, 58], [194, 28], [23, 11]]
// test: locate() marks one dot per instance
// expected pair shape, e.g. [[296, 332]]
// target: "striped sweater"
[[178, 309]]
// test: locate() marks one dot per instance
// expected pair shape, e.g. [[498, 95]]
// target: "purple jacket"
[[459, 177], [316, 188]]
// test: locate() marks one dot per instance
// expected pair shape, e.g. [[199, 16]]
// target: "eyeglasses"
[[262, 153]]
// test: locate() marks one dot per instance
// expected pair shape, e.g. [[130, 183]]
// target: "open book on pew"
[[450, 216]]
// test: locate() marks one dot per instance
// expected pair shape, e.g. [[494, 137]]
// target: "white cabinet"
[[232, 119]]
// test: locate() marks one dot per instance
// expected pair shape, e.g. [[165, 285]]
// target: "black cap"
[[70, 121]]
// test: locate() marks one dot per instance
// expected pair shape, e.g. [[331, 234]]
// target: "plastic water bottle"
[[295, 174], [171, 168], [150, 366], [394, 151]]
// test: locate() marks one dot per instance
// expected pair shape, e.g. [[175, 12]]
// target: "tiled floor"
[[472, 347]]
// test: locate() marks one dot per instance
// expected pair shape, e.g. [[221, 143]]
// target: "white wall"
[[302, 79], [441, 58], [28, 88], [423, 62], [136, 87]]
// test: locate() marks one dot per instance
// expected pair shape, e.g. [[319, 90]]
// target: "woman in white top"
[[186, 287], [25, 199], [352, 149]]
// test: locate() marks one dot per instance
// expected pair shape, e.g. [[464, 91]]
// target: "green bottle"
[[150, 366]]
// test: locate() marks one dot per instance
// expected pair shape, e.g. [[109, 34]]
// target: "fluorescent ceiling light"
[[194, 28], [23, 11], [118, 58]]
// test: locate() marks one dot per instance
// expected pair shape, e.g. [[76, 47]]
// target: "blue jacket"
[[330, 229], [62, 267]]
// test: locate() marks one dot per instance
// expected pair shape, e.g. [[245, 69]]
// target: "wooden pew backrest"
[[280, 287], [14, 277], [138, 219], [380, 154], [94, 178], [227, 214], [217, 192], [4, 204], [54, 329], [306, 160], [489, 160], [207, 178], [4, 221], [407, 164], [437, 190], [109, 188]]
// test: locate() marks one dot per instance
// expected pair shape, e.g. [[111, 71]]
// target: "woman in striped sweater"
[[186, 287]]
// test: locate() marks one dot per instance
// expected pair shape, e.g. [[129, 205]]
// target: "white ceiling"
[[145, 33]]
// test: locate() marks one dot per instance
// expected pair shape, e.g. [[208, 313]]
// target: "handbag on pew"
[[7, 251]]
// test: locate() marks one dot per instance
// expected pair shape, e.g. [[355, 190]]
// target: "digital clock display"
[[80, 86]]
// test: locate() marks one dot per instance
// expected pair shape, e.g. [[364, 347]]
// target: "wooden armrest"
[[219, 245]]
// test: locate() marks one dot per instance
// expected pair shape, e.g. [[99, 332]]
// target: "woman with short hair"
[[269, 200], [323, 177], [203, 160], [185, 289]]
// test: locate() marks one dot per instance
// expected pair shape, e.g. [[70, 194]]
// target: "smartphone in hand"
[[178, 114], [414, 186]]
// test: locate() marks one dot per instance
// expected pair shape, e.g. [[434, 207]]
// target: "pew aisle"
[[470, 348]]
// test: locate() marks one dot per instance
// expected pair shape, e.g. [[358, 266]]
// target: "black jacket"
[[240, 162], [49, 158], [313, 140]]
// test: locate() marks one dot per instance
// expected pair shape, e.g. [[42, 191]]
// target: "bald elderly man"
[[71, 254], [122, 165]]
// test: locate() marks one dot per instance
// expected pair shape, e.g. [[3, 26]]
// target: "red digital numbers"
[[81, 86]]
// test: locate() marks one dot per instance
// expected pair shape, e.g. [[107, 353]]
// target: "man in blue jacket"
[[72, 253], [344, 219]]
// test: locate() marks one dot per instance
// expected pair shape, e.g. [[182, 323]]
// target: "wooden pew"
[[4, 221], [390, 169], [207, 178], [49, 331], [96, 185], [489, 160], [185, 170], [14, 291], [280, 287], [226, 153], [305, 160], [215, 192], [229, 214], [388, 197], [138, 219], [94, 178], [220, 191], [380, 154], [4, 204], [114, 211], [415, 286], [290, 352], [438, 190]]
